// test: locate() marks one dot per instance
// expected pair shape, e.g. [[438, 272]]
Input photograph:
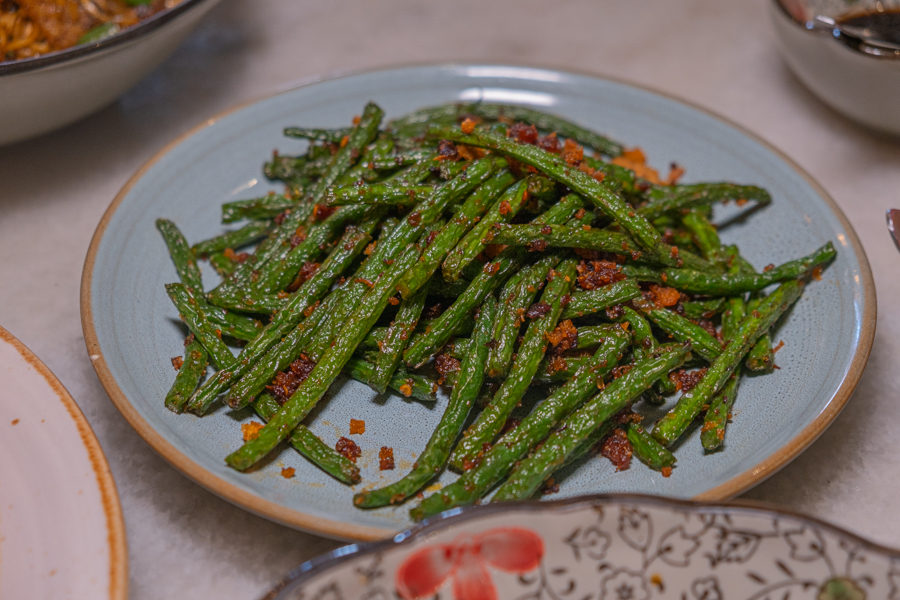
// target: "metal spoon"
[[823, 23], [893, 217]]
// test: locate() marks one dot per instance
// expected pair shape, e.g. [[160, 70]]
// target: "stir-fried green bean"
[[510, 268]]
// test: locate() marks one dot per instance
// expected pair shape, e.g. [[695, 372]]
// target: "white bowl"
[[861, 85], [41, 94]]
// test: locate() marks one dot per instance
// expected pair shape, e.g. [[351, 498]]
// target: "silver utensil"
[[805, 13], [893, 218], [823, 23]]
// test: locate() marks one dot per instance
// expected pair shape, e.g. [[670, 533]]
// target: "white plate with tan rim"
[[132, 330], [61, 528]]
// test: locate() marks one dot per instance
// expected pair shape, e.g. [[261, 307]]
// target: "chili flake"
[[386, 458], [348, 449], [250, 431]]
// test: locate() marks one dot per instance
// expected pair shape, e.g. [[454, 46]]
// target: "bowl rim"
[[342, 530], [117, 538], [852, 44], [134, 32], [430, 527]]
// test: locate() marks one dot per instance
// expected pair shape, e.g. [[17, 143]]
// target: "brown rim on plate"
[[342, 530], [115, 524]]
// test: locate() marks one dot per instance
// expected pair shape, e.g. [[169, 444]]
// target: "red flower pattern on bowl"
[[465, 560]]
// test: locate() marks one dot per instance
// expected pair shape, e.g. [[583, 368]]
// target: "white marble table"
[[185, 542]]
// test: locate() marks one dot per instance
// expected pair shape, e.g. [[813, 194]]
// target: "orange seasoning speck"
[[250, 430], [288, 472], [675, 173], [635, 155], [556, 364], [617, 449], [406, 390], [665, 296], [344, 140], [15, 421], [572, 153], [348, 449], [310, 309], [817, 273], [357, 426], [322, 212], [635, 160], [565, 335], [177, 362], [491, 268], [468, 126], [386, 458], [666, 471]]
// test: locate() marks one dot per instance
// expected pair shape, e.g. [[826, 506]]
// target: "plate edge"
[[306, 522], [109, 495]]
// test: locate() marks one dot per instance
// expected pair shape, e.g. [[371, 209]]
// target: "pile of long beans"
[[564, 263]]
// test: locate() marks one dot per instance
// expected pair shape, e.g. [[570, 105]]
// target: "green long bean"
[[327, 369], [611, 203], [188, 376], [577, 427], [590, 301], [283, 321], [184, 260], [447, 237], [425, 345], [505, 208], [434, 456], [673, 424], [193, 313], [687, 280], [514, 301], [263, 208], [311, 446], [391, 347], [530, 352], [501, 458], [246, 235]]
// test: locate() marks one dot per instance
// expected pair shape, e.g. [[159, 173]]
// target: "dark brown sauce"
[[881, 25]]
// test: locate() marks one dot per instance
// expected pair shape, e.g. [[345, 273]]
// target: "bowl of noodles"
[[61, 60]]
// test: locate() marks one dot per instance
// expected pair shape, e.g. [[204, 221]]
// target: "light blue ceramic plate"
[[132, 331]]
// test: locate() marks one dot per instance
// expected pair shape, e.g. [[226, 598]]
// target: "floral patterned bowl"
[[606, 547]]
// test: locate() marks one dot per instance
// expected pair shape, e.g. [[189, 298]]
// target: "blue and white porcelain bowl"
[[613, 547]]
